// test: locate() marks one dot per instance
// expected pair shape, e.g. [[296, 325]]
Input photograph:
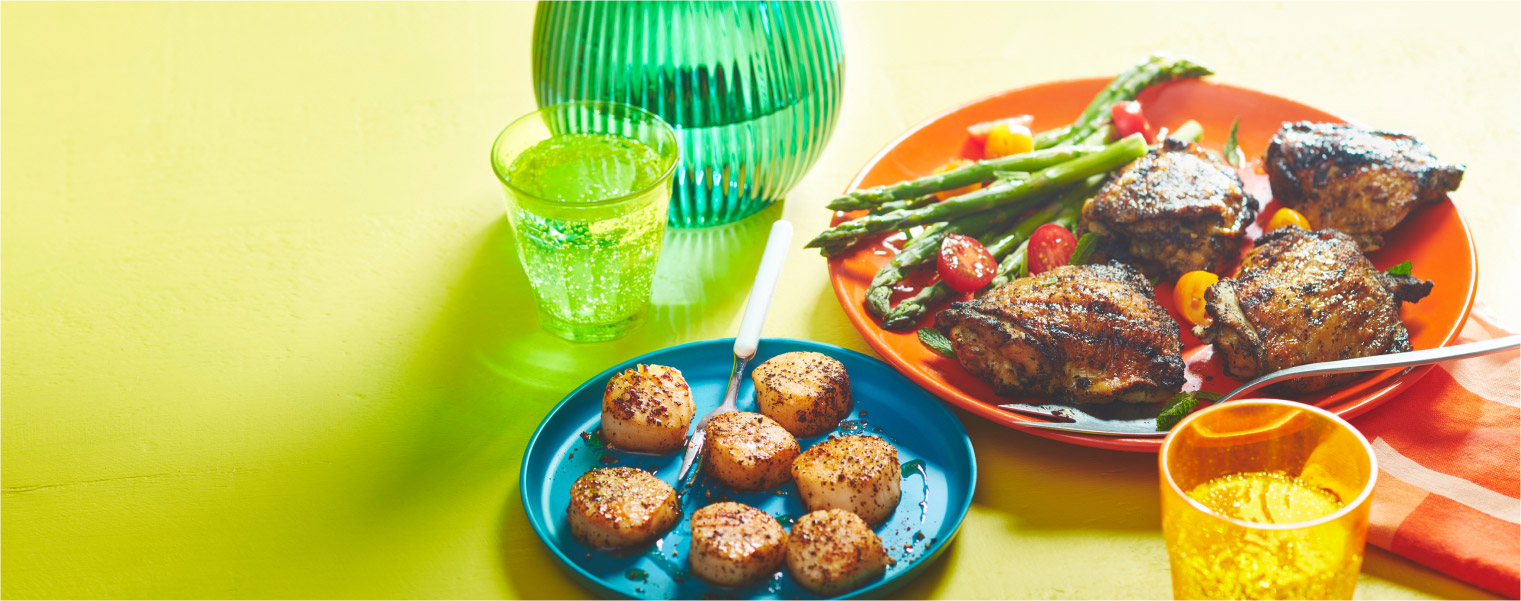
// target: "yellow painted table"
[[264, 333]]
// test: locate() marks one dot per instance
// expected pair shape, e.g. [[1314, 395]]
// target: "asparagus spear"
[[1064, 211], [975, 173], [1189, 131], [1012, 265], [1001, 195], [1051, 137], [912, 203], [1159, 68], [923, 249]]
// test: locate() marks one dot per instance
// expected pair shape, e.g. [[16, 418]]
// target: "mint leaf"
[[937, 342], [1083, 250], [1181, 405], [1232, 152], [1401, 269]]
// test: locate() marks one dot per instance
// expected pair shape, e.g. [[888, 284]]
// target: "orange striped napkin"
[[1449, 452]]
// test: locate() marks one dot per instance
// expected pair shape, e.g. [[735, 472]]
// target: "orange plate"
[[1435, 239]]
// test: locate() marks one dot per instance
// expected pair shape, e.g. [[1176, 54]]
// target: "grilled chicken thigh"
[[1358, 181], [1172, 211], [1305, 297], [1080, 333]]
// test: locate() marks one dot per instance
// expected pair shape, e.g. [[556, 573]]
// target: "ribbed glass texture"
[[752, 88]]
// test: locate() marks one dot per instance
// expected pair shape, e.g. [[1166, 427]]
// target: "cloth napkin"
[[1449, 452]]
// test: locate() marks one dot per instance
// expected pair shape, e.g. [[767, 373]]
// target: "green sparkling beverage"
[[588, 186]]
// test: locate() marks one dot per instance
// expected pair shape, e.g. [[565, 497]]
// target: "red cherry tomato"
[[1050, 246], [1128, 120], [964, 264]]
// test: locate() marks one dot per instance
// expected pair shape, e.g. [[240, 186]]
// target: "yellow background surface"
[[264, 333]]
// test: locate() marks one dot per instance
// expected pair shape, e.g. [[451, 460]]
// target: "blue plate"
[[938, 466]]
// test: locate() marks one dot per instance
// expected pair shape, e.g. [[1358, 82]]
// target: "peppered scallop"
[[647, 408], [807, 393], [748, 451], [620, 507], [833, 551], [733, 543], [859, 474]]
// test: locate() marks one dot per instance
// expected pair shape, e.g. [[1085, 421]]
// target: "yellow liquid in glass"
[[1265, 498], [1228, 561]]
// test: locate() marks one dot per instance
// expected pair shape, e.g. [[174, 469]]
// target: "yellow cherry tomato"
[[1006, 139], [1188, 294], [956, 164], [980, 131], [1287, 217]]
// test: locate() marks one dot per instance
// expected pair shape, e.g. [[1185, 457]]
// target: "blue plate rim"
[[960, 512]]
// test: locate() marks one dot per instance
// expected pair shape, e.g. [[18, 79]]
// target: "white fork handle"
[[765, 285]]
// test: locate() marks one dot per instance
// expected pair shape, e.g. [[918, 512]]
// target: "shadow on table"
[[929, 583], [486, 373], [530, 567]]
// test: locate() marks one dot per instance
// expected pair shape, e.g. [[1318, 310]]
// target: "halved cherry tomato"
[[1188, 294], [1050, 246], [980, 131], [964, 264], [955, 164], [1007, 139], [1287, 216], [1128, 120]]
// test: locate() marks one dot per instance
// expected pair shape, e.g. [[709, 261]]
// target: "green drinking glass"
[[752, 87], [588, 186]]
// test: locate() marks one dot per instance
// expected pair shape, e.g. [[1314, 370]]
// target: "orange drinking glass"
[[1265, 499]]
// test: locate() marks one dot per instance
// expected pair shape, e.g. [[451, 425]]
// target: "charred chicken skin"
[[1305, 297], [1172, 211], [1358, 181], [1078, 333]]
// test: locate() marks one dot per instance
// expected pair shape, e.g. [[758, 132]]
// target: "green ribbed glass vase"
[[752, 88]]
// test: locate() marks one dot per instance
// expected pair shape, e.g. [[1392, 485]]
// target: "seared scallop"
[[807, 393], [647, 408], [833, 551], [733, 544], [620, 507], [748, 451], [859, 474]]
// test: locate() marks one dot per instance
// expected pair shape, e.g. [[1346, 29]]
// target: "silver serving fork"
[[748, 339], [1071, 421]]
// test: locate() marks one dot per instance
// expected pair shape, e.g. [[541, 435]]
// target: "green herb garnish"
[[1181, 405], [1083, 250], [1401, 269], [937, 342], [1232, 152]]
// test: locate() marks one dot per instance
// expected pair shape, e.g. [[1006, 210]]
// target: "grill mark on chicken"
[[1170, 212], [1305, 297], [1360, 181], [1090, 333]]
